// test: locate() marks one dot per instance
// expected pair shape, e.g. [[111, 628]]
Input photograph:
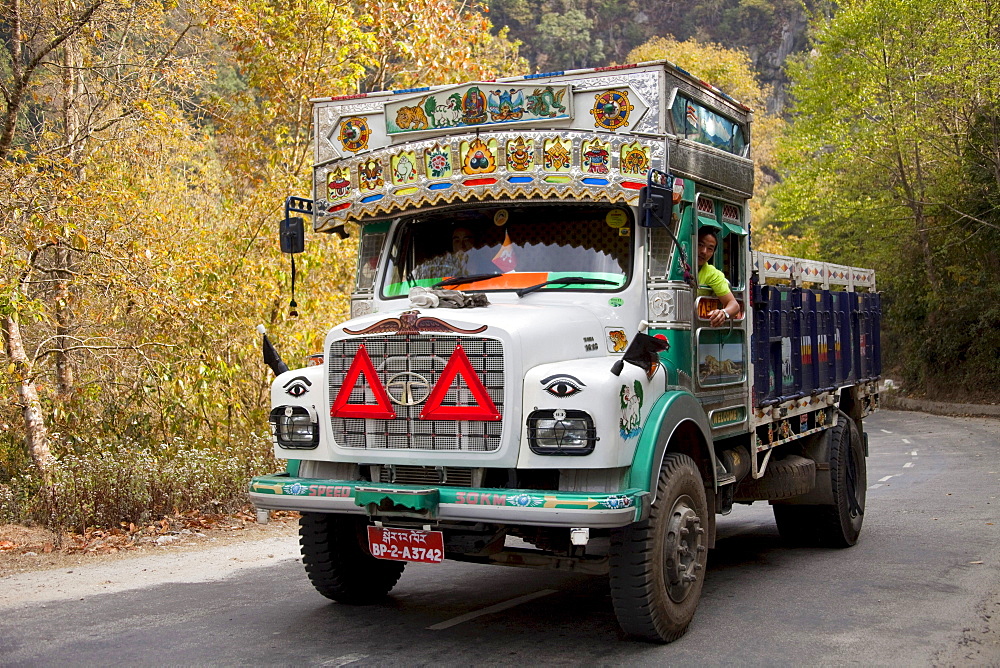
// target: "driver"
[[462, 260], [714, 279]]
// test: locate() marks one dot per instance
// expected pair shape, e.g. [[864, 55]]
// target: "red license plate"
[[406, 544]]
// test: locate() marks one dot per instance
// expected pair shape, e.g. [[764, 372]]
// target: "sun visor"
[[732, 228], [709, 222]]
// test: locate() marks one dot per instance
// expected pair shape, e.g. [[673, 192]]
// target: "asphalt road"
[[921, 587]]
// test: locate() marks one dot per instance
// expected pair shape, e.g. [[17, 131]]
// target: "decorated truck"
[[531, 375]]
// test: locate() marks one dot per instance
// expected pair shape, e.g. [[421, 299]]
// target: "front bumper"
[[462, 504]]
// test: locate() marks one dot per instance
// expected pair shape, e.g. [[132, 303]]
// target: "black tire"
[[338, 562], [782, 479], [658, 565], [837, 524]]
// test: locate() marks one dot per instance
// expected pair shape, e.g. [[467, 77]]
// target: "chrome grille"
[[424, 355], [425, 475]]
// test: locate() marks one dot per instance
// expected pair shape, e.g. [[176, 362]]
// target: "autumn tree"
[[81, 78], [428, 42]]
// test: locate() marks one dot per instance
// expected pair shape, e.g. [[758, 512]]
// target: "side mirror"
[[656, 199], [292, 235]]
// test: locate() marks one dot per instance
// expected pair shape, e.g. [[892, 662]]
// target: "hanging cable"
[[292, 306]]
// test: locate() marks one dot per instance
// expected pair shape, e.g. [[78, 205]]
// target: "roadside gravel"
[[37, 578]]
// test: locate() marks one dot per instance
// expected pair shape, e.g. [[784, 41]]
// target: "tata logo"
[[408, 388]]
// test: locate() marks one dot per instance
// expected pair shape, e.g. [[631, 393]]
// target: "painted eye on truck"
[[563, 386], [297, 386]]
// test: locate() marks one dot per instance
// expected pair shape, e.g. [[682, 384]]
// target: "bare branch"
[[41, 354], [23, 74]]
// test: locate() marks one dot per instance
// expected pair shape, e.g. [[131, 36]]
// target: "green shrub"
[[110, 483]]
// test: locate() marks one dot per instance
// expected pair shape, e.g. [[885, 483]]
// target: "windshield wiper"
[[458, 280], [569, 280]]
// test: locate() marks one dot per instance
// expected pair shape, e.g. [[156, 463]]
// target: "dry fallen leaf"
[[975, 562]]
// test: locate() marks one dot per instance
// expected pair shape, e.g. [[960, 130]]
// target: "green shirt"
[[714, 279]]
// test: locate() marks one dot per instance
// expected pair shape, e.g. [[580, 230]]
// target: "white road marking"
[[874, 486], [913, 453], [906, 440], [885, 431], [885, 478], [344, 660], [491, 609], [907, 465]]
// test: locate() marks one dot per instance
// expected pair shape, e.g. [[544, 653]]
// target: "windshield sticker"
[[721, 357], [617, 340], [631, 407], [616, 218], [505, 259]]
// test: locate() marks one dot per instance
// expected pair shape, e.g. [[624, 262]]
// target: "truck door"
[[721, 353]]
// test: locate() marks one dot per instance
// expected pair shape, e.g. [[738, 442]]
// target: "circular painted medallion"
[[354, 134], [611, 109]]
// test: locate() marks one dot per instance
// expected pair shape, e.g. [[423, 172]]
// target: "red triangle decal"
[[459, 365], [380, 411]]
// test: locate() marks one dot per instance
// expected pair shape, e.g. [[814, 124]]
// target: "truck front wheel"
[[658, 565], [338, 562]]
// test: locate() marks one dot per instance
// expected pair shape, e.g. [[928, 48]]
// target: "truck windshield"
[[512, 247]]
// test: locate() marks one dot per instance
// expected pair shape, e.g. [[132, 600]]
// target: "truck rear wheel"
[[658, 565], [337, 560], [837, 524]]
